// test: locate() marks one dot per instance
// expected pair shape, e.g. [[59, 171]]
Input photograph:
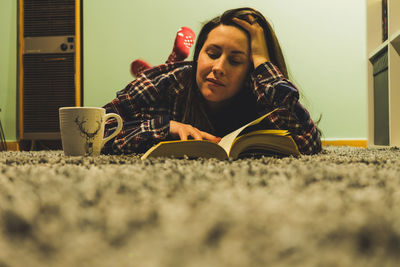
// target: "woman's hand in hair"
[[185, 130], [258, 44]]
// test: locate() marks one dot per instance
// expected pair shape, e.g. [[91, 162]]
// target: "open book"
[[248, 140]]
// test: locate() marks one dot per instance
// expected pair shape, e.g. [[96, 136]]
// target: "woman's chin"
[[214, 100], [210, 96]]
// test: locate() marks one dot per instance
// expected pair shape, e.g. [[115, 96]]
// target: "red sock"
[[183, 41], [138, 66]]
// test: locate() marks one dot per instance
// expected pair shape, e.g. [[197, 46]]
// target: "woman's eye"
[[213, 55], [235, 62]]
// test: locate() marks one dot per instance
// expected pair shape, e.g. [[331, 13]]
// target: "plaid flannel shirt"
[[148, 104]]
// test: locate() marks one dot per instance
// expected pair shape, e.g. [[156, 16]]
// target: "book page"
[[227, 140]]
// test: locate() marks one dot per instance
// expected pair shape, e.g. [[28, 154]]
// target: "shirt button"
[[259, 76]]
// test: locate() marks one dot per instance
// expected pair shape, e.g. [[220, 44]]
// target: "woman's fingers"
[[200, 135], [211, 137], [185, 130], [195, 133], [182, 134], [248, 26]]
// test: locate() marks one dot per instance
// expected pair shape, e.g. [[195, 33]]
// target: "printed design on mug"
[[88, 135]]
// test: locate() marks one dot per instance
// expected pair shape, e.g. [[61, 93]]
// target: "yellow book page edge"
[[276, 133]]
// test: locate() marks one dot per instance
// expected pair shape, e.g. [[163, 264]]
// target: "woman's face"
[[223, 63]]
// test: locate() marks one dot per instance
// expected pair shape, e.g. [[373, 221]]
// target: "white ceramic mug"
[[82, 130]]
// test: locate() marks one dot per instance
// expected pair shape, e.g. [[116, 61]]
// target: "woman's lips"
[[215, 82]]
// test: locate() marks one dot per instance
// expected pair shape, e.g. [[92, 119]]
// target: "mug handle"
[[119, 127]]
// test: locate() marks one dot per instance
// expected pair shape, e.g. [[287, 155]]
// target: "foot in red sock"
[[139, 66], [183, 41]]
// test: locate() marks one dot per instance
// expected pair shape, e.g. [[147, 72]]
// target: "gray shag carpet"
[[338, 208]]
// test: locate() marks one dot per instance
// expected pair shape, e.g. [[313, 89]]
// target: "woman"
[[238, 73]]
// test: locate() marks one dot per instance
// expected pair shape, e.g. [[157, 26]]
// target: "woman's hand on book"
[[185, 130]]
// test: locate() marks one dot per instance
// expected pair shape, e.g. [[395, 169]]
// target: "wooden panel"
[[354, 143], [12, 146]]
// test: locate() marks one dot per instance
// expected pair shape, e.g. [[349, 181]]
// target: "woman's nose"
[[218, 68]]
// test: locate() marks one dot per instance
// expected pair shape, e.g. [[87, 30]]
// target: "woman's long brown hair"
[[195, 106]]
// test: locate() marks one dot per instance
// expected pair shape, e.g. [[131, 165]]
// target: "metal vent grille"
[[48, 85], [49, 17]]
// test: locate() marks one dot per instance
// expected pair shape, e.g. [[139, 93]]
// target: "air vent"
[[48, 85], [49, 18]]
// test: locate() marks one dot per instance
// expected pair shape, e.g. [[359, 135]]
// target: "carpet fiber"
[[338, 208]]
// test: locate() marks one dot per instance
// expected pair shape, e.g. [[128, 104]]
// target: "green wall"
[[324, 45], [8, 68]]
